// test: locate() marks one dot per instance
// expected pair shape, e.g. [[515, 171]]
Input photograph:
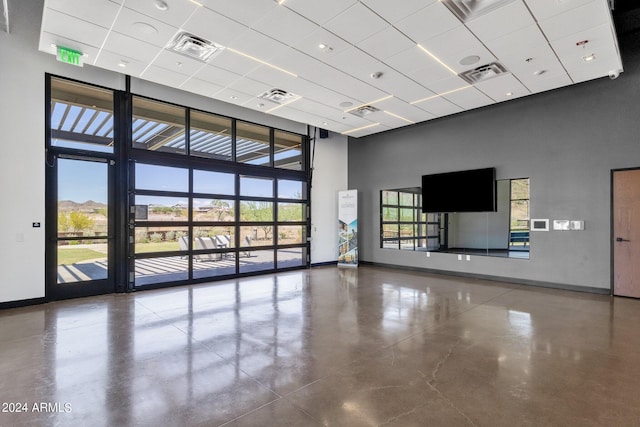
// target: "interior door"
[[626, 233], [80, 249]]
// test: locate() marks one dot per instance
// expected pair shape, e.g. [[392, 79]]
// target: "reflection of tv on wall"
[[461, 191]]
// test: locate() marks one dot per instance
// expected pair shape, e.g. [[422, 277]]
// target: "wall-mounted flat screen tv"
[[460, 191]]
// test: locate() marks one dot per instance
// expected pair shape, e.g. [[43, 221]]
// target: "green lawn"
[[68, 256], [157, 247]]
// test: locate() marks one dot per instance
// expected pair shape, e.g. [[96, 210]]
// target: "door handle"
[[620, 239]]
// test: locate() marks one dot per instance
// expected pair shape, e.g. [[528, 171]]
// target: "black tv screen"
[[461, 191]]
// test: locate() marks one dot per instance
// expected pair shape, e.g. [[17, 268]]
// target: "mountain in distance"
[[88, 206]]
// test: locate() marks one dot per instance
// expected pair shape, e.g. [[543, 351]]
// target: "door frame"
[[117, 198], [612, 233], [53, 289]]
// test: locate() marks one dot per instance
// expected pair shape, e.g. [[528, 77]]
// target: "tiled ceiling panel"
[[404, 58]]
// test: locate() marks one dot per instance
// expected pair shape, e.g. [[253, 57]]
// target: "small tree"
[[79, 221]]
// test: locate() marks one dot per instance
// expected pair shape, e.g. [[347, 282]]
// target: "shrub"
[[156, 237], [170, 236]]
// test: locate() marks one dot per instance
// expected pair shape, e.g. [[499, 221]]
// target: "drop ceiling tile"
[[285, 26], [257, 45], [469, 98], [310, 45], [404, 109], [540, 67], [396, 11], [176, 14], [439, 107], [178, 63], [520, 45], [428, 23], [315, 92], [201, 87], [316, 108], [144, 28], [403, 88], [386, 43], [448, 84], [356, 63], [303, 117], [427, 76], [576, 20], [110, 61], [504, 20], [48, 39], [379, 127], [356, 24], [163, 76], [71, 28], [453, 61], [272, 78], [214, 27], [545, 9], [234, 62], [251, 86], [237, 97], [99, 13], [319, 11], [125, 45], [217, 76], [412, 59], [458, 39], [537, 84], [499, 87], [247, 12], [601, 44]]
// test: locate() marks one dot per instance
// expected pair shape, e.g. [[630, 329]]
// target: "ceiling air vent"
[[483, 73], [365, 110], [466, 10], [194, 47], [279, 96]]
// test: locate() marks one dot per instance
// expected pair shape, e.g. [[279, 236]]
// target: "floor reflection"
[[365, 346]]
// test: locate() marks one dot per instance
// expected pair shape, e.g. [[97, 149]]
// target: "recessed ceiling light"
[[346, 104], [376, 75], [325, 48], [469, 60], [509, 93], [539, 72], [179, 64], [123, 63], [260, 105], [324, 123], [233, 97], [161, 5], [589, 58]]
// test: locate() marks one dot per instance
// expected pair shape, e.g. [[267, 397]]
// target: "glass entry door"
[[82, 244]]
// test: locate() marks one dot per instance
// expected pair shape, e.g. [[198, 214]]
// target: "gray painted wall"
[[567, 141]]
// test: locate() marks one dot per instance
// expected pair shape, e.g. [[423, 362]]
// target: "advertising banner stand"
[[348, 228]]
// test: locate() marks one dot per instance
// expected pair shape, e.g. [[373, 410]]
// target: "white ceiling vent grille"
[[466, 10], [365, 110], [279, 96], [483, 73], [194, 47]]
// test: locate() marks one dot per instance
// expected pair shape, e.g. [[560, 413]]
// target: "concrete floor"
[[326, 346]]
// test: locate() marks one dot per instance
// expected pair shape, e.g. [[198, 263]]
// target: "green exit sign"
[[70, 56]]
